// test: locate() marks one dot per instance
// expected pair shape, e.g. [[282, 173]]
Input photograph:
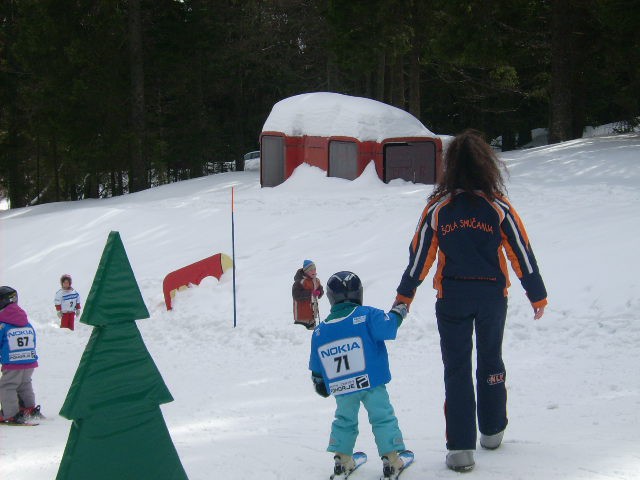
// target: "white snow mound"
[[332, 114]]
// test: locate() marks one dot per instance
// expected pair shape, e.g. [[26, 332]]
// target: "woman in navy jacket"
[[469, 225]]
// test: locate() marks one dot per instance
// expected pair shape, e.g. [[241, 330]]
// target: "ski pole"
[[233, 255]]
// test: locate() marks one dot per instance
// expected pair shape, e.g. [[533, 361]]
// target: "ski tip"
[[360, 455], [407, 456]]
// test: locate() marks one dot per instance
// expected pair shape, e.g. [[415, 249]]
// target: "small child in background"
[[349, 360], [67, 303], [306, 291], [19, 359]]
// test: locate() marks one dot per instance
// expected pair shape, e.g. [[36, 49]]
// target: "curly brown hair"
[[471, 164]]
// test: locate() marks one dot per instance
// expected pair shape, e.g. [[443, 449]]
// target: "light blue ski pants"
[[344, 429]]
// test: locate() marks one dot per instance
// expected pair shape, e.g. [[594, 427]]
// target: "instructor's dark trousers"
[[456, 319]]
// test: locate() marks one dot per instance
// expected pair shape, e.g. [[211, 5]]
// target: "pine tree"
[[114, 400]]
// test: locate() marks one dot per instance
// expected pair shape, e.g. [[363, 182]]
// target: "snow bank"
[[333, 114]]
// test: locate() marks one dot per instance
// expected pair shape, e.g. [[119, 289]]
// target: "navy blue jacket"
[[470, 235]]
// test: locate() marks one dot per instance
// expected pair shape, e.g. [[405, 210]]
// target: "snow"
[[333, 114], [573, 381]]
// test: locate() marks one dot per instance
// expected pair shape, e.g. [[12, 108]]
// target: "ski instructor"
[[469, 225]]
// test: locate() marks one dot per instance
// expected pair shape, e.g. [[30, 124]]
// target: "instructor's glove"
[[404, 299], [400, 309], [318, 383]]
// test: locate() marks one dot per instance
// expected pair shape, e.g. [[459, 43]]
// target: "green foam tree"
[[118, 431]]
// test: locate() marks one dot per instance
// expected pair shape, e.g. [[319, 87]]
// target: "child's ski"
[[388, 473], [339, 473], [18, 424]]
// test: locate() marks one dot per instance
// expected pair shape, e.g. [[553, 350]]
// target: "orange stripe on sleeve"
[[513, 258], [431, 257], [437, 278], [416, 235], [519, 223], [402, 299]]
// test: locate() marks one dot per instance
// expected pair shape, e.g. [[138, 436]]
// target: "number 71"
[[340, 360]]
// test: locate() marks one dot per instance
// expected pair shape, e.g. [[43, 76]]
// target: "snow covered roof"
[[332, 114]]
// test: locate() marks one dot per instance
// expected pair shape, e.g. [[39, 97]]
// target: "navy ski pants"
[[456, 320]]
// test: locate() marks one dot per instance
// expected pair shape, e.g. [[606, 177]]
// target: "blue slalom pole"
[[233, 255]]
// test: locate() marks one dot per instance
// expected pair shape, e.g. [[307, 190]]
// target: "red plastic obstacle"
[[193, 274]]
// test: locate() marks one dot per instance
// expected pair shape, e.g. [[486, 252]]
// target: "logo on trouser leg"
[[495, 378]]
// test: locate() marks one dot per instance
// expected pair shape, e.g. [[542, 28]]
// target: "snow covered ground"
[[244, 405]]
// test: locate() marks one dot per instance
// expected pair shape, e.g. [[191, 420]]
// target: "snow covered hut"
[[341, 134]]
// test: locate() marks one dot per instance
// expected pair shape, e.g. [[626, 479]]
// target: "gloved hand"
[[400, 309], [316, 293], [319, 385], [59, 313], [77, 313], [402, 299]]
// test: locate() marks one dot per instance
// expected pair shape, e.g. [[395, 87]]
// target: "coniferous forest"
[[104, 97]]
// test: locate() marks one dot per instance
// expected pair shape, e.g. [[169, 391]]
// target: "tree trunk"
[[398, 98], [524, 136], [16, 188], [56, 166], [201, 154], [114, 187], [91, 185], [560, 115], [38, 174], [380, 83], [581, 55], [508, 141], [137, 168], [414, 83], [332, 73]]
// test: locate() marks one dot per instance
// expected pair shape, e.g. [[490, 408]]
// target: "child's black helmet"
[[344, 287], [7, 295]]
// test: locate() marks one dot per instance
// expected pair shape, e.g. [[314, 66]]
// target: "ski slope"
[[244, 405]]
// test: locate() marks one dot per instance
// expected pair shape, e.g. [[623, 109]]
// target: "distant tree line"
[[103, 97]]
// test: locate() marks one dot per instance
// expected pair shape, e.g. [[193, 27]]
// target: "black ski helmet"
[[7, 295], [64, 277], [344, 287]]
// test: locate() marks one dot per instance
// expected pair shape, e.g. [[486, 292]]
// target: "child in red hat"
[[67, 302]]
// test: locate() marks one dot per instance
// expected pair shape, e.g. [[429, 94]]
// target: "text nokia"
[[20, 333], [337, 349]]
